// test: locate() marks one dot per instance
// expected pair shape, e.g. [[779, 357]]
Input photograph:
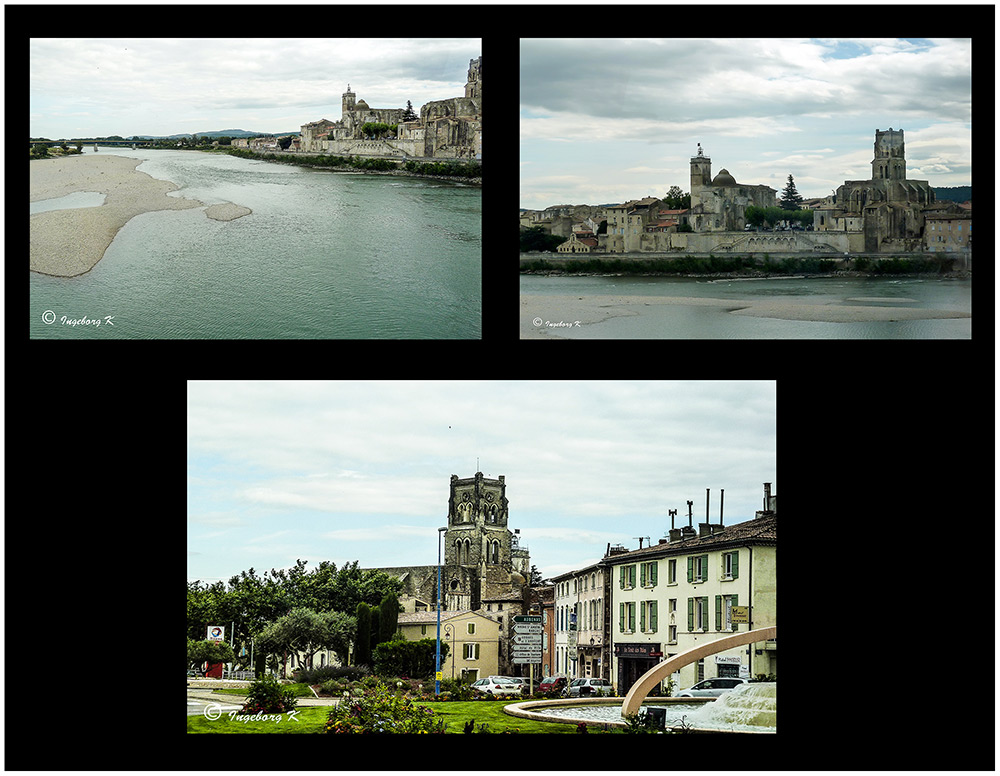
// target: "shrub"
[[379, 711], [266, 695]]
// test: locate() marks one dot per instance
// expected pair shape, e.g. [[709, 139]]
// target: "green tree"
[[362, 643], [790, 198]]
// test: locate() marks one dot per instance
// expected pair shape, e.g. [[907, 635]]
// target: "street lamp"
[[437, 670]]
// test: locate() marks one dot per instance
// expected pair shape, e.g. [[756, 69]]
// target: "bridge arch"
[[656, 674]]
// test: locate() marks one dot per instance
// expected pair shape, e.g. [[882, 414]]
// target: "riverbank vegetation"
[[450, 168], [749, 266]]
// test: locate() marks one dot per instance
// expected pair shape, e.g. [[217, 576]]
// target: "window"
[[471, 651], [647, 574], [672, 571], [647, 617], [697, 568], [730, 565], [627, 578], [626, 615], [724, 612], [472, 628], [698, 613]]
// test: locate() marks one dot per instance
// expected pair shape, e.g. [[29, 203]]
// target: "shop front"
[[633, 661]]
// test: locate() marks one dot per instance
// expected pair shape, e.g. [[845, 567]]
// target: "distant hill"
[[953, 193], [217, 133]]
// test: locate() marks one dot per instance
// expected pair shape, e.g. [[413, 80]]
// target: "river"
[[681, 321], [324, 255]]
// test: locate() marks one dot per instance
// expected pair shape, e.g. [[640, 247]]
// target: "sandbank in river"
[[544, 316], [71, 242]]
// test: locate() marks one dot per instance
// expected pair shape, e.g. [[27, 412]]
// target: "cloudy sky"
[[360, 471], [606, 121], [125, 86]]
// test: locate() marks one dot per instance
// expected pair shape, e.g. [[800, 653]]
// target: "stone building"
[[450, 129], [484, 569], [718, 204], [888, 208]]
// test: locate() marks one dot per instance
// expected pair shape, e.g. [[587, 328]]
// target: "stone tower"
[[474, 86], [701, 176], [347, 101], [889, 162], [477, 545]]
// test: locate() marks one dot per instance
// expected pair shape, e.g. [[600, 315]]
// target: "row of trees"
[[285, 611]]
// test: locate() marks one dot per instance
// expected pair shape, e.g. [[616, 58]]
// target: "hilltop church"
[[446, 129]]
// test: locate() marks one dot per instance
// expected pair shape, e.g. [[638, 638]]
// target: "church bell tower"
[[701, 175], [347, 100], [890, 161]]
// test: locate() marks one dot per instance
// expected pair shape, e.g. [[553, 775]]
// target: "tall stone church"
[[483, 568]]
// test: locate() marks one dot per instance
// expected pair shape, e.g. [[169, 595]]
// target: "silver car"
[[592, 686], [496, 685], [711, 688]]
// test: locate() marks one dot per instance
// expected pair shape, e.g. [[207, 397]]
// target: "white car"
[[496, 685], [711, 688]]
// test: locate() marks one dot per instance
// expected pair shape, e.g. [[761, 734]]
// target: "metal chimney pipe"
[[707, 518], [690, 504], [722, 499], [767, 496]]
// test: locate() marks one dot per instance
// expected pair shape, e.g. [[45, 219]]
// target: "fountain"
[[750, 708], [747, 709]]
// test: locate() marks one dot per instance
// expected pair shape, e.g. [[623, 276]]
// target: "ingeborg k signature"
[[213, 711], [49, 317], [555, 324]]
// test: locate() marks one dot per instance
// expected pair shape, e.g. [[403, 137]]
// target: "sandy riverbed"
[[71, 242], [545, 316]]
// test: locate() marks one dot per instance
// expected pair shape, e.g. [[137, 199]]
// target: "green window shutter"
[[690, 614], [736, 601], [642, 574], [642, 617], [736, 564], [704, 567], [718, 612], [477, 651], [621, 617], [652, 616], [621, 580], [631, 618], [653, 570], [690, 568]]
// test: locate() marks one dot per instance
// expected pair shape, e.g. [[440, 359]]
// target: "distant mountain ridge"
[[216, 133]]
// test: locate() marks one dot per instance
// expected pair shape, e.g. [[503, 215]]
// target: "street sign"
[[532, 639], [528, 618], [523, 628], [526, 660], [216, 633], [741, 614]]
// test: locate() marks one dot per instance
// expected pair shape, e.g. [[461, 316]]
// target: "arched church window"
[[494, 552]]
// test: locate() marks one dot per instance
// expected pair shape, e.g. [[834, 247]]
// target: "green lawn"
[[456, 714]]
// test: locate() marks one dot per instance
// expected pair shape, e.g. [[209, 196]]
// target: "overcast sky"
[[606, 121], [360, 471], [125, 86]]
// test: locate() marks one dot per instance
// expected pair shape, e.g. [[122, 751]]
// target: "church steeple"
[[347, 101]]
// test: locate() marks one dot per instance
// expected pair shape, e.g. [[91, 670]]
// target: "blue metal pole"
[[437, 670]]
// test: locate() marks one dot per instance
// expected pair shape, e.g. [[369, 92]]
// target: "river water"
[[324, 255], [701, 322]]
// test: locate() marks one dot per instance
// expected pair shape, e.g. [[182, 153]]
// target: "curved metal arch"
[[656, 674]]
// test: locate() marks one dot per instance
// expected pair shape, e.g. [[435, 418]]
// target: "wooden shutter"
[[690, 612], [652, 616], [718, 612]]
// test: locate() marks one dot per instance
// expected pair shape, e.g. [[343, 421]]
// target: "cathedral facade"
[[483, 567]]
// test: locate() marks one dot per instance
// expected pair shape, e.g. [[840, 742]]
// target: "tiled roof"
[[761, 530]]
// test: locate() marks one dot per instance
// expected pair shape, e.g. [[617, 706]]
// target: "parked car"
[[552, 684], [592, 686], [711, 688], [496, 685]]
